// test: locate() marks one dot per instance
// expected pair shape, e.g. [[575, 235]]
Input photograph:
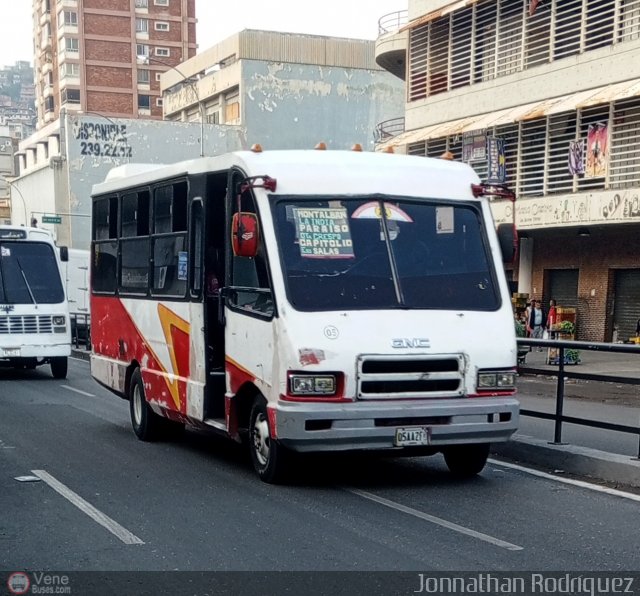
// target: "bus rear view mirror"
[[244, 234], [508, 241], [64, 254]]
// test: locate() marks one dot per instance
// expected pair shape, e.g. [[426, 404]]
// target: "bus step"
[[217, 423]]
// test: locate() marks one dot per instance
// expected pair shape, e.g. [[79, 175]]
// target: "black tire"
[[147, 425], [465, 461], [59, 367], [270, 459]]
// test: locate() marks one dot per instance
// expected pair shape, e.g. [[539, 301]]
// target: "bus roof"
[[315, 172]]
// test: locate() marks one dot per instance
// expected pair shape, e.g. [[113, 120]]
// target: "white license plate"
[[11, 352], [411, 436]]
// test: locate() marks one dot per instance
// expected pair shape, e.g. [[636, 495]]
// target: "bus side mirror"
[[244, 234], [64, 254], [508, 241]]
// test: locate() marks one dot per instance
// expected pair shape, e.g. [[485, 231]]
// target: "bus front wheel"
[[146, 423], [466, 461], [270, 459], [59, 367]]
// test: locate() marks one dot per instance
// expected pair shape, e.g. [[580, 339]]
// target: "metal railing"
[[388, 129], [562, 374], [391, 22], [80, 330]]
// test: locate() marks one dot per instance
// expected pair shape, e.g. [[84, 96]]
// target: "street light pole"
[[194, 88], [24, 203]]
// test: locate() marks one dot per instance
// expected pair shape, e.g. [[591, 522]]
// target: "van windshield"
[[383, 252], [29, 274]]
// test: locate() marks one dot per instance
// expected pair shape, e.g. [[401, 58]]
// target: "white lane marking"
[[114, 527], [77, 390], [78, 359], [435, 520], [571, 481]]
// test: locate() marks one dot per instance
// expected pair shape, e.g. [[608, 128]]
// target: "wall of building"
[[294, 106], [597, 257], [86, 148]]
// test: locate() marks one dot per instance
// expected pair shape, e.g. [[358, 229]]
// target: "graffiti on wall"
[[102, 139]]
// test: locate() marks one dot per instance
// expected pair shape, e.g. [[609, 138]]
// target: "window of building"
[[144, 102], [161, 26], [142, 50], [158, 75], [67, 18], [159, 102], [49, 105], [70, 95], [143, 77], [142, 25], [161, 2], [163, 52], [142, 3], [69, 69], [72, 44]]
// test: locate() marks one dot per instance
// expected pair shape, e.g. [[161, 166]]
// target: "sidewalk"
[[601, 454]]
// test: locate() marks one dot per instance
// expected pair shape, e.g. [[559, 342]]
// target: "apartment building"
[[106, 56], [543, 96]]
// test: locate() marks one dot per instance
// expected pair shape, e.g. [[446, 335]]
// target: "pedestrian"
[[537, 321], [552, 319]]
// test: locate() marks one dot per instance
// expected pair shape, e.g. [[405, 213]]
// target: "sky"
[[218, 19]]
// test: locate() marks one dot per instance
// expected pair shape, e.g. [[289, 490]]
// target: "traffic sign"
[[52, 219]]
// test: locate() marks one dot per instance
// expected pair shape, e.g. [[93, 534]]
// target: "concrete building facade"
[[106, 56], [545, 98], [289, 91]]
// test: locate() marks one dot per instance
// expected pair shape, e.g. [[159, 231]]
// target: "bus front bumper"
[[40, 352], [374, 425]]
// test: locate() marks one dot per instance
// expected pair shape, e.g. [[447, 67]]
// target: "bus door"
[[250, 308]]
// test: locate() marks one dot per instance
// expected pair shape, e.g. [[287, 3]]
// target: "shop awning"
[[529, 111]]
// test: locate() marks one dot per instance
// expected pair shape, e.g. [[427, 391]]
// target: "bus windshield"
[[384, 252], [29, 274]]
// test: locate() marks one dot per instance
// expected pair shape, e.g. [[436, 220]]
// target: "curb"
[[601, 465], [82, 354]]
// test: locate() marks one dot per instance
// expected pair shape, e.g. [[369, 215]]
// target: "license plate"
[[411, 436], [11, 352]]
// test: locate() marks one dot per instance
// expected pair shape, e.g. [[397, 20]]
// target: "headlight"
[[496, 380], [312, 384], [59, 320]]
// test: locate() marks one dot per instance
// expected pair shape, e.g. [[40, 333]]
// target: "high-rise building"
[[106, 56]]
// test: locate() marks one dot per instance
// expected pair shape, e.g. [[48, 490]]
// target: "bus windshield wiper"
[[33, 299]]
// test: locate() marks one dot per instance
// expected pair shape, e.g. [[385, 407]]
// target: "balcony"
[[392, 43], [388, 129]]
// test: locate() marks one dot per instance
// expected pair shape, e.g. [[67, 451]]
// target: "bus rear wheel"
[[59, 367], [270, 459], [466, 461], [147, 425]]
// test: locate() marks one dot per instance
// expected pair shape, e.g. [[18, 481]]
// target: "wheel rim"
[[261, 439], [137, 405]]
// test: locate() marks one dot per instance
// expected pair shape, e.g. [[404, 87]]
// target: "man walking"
[[537, 320]]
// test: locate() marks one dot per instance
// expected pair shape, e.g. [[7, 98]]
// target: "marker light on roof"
[[321, 146], [256, 148], [357, 147], [388, 150]]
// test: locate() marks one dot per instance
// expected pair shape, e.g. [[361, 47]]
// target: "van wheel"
[[147, 425], [270, 459], [59, 367], [465, 461]]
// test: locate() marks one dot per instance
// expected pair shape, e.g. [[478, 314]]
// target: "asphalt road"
[[197, 505]]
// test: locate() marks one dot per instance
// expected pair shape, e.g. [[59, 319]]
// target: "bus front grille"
[[23, 324], [410, 376]]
